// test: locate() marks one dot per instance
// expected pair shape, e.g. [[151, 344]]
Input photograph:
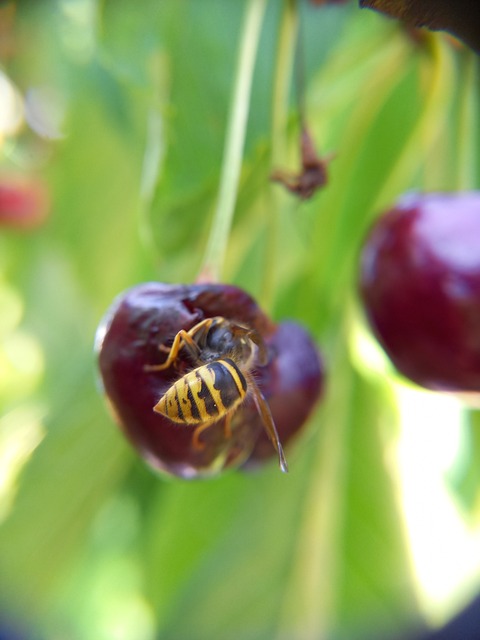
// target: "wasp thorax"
[[220, 341], [226, 339]]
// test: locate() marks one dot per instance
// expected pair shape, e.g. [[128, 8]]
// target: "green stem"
[[431, 122], [286, 48], [467, 128], [234, 141], [311, 586], [153, 155], [283, 73]]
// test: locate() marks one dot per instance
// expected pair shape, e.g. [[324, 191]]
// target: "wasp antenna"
[[267, 419]]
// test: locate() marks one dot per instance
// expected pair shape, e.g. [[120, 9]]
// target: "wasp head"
[[228, 339]]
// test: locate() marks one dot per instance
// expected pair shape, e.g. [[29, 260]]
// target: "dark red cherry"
[[461, 19], [420, 284], [292, 383], [149, 315]]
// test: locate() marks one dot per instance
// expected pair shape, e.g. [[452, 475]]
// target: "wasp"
[[223, 354]]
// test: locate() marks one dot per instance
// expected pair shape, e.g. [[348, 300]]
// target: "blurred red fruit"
[[420, 283], [24, 202]]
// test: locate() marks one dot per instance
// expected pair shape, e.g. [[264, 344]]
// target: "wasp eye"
[[220, 340]]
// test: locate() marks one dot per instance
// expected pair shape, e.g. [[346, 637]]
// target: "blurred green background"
[[377, 527]]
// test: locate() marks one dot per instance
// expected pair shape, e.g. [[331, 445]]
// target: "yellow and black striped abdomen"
[[204, 395]]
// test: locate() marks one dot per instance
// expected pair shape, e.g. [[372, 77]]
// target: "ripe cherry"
[[129, 341], [420, 284]]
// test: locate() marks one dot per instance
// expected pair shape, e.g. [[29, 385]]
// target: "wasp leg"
[[183, 339], [182, 335], [196, 436], [267, 419], [227, 425], [201, 329], [227, 429], [188, 340], [164, 348]]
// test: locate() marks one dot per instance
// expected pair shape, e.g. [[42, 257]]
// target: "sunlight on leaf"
[[449, 562], [21, 432]]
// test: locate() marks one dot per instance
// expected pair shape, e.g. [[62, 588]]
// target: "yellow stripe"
[[209, 380], [171, 404], [184, 402]]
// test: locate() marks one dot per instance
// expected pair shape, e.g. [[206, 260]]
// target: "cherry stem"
[[153, 156], [468, 125], [285, 56], [286, 50], [234, 142]]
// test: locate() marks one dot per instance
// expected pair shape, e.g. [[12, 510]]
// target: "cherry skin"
[[420, 285]]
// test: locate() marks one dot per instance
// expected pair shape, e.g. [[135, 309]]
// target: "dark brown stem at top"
[[313, 174]]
